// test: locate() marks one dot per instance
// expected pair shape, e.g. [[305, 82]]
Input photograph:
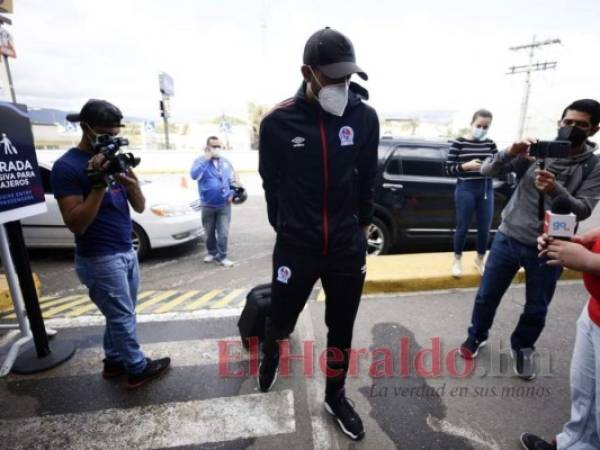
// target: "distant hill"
[[49, 116]]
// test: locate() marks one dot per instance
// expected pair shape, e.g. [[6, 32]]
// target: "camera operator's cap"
[[332, 53], [98, 112]]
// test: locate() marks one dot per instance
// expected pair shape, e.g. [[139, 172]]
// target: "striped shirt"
[[464, 150]]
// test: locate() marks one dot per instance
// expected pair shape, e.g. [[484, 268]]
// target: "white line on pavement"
[[182, 353], [89, 321], [157, 426]]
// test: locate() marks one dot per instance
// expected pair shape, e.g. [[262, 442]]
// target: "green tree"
[[255, 114]]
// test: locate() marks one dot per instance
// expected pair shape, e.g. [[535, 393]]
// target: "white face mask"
[[334, 97], [479, 133], [216, 152]]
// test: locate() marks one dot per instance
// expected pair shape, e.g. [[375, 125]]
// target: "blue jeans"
[[504, 260], [112, 281], [216, 228], [473, 197], [582, 431]]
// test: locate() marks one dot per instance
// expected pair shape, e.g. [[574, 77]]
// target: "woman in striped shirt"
[[474, 192]]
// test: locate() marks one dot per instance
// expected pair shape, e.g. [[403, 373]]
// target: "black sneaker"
[[345, 415], [154, 368], [112, 369], [532, 442], [524, 364], [267, 372], [470, 348]]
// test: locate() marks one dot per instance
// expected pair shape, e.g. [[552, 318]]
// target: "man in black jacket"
[[318, 162]]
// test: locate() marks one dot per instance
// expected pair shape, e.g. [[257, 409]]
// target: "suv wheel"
[[378, 238]]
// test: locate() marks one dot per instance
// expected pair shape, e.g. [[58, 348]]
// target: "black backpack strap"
[[588, 167]]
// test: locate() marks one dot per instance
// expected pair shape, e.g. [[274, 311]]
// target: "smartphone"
[[550, 149]]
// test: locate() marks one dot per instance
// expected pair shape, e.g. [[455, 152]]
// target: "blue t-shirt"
[[110, 231]]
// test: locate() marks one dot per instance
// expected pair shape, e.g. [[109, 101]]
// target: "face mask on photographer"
[[333, 98], [573, 134]]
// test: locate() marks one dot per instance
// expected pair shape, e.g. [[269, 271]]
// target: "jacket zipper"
[[325, 186]]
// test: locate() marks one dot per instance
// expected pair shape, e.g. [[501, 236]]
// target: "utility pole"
[[527, 69], [167, 90]]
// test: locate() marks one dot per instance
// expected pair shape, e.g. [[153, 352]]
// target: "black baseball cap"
[[98, 112], [332, 53]]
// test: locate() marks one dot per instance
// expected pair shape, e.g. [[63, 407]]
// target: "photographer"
[[318, 162], [215, 176], [515, 245], [94, 206], [581, 431]]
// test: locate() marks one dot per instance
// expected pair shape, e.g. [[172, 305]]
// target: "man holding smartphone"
[[515, 245]]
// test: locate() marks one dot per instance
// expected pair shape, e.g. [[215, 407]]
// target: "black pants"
[[294, 276]]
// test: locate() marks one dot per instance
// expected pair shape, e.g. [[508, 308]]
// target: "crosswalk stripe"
[[145, 294], [154, 300], [58, 300], [92, 307], [228, 298], [88, 361], [204, 299], [82, 309], [174, 424], [177, 301], [64, 307], [64, 304], [45, 302], [242, 302]]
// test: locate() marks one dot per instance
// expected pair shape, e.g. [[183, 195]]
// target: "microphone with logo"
[[560, 222]]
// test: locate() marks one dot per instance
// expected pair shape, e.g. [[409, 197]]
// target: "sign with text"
[[21, 189]]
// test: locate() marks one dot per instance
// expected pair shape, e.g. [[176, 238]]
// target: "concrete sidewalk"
[[425, 272]]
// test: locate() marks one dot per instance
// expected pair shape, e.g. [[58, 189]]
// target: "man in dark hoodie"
[[318, 162], [578, 179]]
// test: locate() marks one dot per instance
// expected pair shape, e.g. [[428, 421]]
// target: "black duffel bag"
[[252, 319]]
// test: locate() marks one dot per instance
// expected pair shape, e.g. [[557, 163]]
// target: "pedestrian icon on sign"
[[9, 148]]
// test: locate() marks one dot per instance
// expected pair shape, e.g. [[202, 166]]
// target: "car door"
[[425, 194], [48, 229]]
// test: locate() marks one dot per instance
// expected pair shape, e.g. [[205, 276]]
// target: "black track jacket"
[[318, 173]]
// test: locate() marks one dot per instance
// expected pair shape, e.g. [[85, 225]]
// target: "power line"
[[528, 69]]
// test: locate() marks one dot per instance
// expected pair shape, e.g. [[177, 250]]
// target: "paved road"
[[194, 407]]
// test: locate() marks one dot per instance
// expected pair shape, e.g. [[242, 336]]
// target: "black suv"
[[414, 199]]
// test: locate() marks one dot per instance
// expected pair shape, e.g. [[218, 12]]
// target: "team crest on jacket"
[[284, 274], [346, 136]]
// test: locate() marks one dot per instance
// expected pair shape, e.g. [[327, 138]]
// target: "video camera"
[[109, 146], [550, 149]]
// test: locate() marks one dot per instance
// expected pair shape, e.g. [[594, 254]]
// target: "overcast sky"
[[424, 55]]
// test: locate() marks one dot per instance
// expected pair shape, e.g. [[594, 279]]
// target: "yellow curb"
[[5, 298], [426, 272]]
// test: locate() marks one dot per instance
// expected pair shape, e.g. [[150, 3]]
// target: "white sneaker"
[[209, 258], [479, 264], [456, 268], [226, 262]]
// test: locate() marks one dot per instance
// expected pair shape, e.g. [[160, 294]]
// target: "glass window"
[[422, 161]]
